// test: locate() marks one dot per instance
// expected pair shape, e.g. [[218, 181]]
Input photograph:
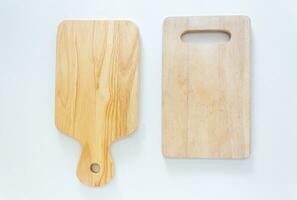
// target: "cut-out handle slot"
[[206, 37]]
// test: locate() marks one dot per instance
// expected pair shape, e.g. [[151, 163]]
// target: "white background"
[[37, 162]]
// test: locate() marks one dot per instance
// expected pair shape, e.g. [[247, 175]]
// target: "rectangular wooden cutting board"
[[206, 89]]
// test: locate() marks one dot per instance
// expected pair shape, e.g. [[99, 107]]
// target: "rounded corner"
[[246, 18], [246, 156], [132, 24], [57, 126], [166, 20], [61, 24], [165, 153]]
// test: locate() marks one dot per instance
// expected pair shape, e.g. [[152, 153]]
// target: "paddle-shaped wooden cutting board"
[[97, 90], [206, 89]]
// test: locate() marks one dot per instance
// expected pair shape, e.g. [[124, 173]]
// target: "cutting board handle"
[[95, 170]]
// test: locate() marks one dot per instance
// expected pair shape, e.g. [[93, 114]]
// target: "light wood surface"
[[97, 90], [206, 89]]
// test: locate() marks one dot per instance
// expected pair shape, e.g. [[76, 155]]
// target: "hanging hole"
[[206, 37], [95, 168]]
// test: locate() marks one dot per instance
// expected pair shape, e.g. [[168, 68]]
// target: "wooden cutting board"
[[206, 89], [97, 90]]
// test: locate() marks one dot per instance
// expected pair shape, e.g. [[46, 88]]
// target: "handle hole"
[[206, 36], [95, 168]]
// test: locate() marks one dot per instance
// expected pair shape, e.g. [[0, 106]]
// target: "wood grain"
[[97, 90], [206, 89]]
